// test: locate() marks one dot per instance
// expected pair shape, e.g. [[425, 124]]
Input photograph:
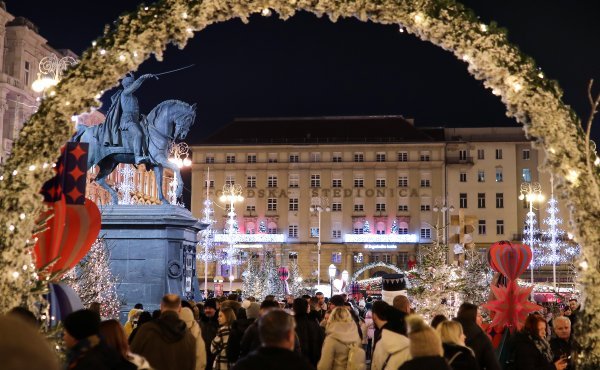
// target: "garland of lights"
[[529, 97], [372, 265]]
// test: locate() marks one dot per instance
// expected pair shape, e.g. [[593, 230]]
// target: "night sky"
[[311, 67]]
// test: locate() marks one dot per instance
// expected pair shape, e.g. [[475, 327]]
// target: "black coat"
[[311, 336], [209, 326], [527, 356], [426, 363], [236, 333], [481, 344], [459, 357], [271, 358], [98, 357]]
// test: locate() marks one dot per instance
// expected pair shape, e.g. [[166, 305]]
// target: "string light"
[[15, 274], [184, 15], [15, 172], [122, 58], [22, 216], [11, 228], [572, 176], [102, 51], [483, 27], [541, 75], [266, 12], [418, 18], [517, 87], [94, 43]]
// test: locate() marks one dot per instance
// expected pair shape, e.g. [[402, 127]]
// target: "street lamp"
[[52, 69], [531, 192], [179, 156], [232, 193], [332, 271], [319, 208]]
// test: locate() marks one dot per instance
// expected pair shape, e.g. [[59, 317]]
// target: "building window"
[[462, 177], [481, 176], [359, 182], [463, 200], [230, 158], [315, 181], [425, 233], [358, 230], [499, 176], [293, 205], [251, 181], [481, 227], [294, 158], [211, 183], [402, 260], [272, 204], [294, 181], [462, 155], [359, 208], [336, 257], [375, 258], [380, 183], [210, 158], [402, 207], [336, 233], [293, 231], [380, 207], [272, 158], [250, 208], [337, 157], [500, 227], [229, 180], [359, 157], [403, 181], [380, 232], [480, 154], [251, 158], [480, 200], [315, 157], [425, 183], [314, 232], [498, 153], [526, 175], [380, 157], [499, 200], [271, 230], [425, 207], [403, 228], [425, 156], [336, 207], [272, 182], [387, 258], [526, 154], [402, 156], [336, 183]]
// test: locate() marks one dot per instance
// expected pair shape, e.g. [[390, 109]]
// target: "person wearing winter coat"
[[341, 334], [310, 335], [477, 339], [393, 348], [218, 347], [244, 318], [187, 316], [532, 350], [113, 335], [425, 347], [132, 320], [459, 356]]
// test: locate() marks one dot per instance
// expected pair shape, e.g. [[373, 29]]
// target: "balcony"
[[459, 160]]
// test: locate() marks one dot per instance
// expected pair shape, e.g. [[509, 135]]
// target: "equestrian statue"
[[125, 137]]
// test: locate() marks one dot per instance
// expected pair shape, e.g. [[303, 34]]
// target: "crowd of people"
[[308, 332]]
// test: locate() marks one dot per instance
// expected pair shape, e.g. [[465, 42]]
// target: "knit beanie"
[[211, 302], [253, 310], [424, 340], [81, 324]]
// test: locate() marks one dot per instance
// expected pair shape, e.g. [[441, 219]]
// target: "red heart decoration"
[[47, 245], [509, 259]]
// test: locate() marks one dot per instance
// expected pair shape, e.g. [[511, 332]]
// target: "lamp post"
[[319, 208], [441, 207], [332, 271], [179, 154], [51, 68], [531, 192], [232, 193]]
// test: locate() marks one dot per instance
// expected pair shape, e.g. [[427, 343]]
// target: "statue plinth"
[[153, 252]]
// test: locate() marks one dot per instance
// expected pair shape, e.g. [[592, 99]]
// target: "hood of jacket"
[[392, 341], [170, 327], [344, 332]]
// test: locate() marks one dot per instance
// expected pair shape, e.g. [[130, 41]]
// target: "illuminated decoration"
[[179, 153], [373, 265], [232, 193], [366, 227], [249, 246], [381, 238], [493, 60], [262, 226], [319, 205], [250, 238], [394, 227], [126, 186], [172, 193], [205, 249], [52, 70], [531, 192], [380, 246], [358, 258]]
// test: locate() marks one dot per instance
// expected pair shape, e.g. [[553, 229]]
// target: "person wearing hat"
[[86, 351], [210, 324], [425, 347]]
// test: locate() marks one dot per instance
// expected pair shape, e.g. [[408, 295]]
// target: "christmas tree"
[[294, 281], [262, 227], [253, 284], [271, 280], [93, 281], [394, 228], [366, 227], [477, 278]]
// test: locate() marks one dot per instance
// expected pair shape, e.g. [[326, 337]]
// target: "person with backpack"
[[393, 348], [342, 348], [459, 356]]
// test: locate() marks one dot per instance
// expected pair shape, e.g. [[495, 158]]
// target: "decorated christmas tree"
[[253, 284], [477, 278], [262, 227], [93, 281], [271, 280], [366, 227], [294, 281], [394, 227]]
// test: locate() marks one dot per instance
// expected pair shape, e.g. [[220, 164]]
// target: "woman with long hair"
[[341, 342], [114, 336], [458, 355], [425, 347], [532, 350], [218, 346]]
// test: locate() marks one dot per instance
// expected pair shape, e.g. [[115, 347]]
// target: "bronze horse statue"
[[167, 122]]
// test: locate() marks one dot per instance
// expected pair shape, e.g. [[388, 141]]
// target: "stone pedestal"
[[153, 252]]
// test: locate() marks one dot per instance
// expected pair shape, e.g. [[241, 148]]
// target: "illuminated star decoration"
[[511, 306]]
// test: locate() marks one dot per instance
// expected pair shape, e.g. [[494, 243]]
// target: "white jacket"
[[187, 316], [334, 354], [390, 343]]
